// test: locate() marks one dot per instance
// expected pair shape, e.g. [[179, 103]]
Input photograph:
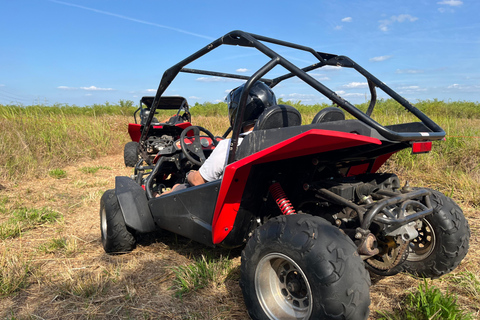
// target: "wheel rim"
[[103, 224], [282, 288], [422, 246]]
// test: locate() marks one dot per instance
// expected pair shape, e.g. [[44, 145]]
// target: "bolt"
[[358, 235]]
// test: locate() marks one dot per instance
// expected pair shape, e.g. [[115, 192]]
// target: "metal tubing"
[[245, 39], [237, 125], [382, 204], [329, 195]]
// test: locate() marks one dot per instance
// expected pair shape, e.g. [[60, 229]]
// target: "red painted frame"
[[236, 174]]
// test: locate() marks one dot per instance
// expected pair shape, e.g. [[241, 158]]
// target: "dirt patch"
[[79, 281]]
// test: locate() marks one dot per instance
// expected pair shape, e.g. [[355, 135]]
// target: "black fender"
[[134, 205]]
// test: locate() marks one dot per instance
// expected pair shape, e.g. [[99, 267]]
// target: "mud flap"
[[134, 205]]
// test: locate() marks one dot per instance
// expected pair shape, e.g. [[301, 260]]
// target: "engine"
[[163, 144]]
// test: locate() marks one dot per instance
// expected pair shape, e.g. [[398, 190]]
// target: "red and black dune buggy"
[[305, 200], [159, 135]]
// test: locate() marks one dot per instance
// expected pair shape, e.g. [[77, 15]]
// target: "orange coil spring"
[[281, 199]]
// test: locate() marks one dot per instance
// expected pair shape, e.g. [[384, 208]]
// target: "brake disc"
[[393, 251]]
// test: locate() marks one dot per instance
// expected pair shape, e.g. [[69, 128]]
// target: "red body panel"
[[236, 174], [135, 129]]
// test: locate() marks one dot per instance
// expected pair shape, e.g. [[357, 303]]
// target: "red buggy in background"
[[159, 134]]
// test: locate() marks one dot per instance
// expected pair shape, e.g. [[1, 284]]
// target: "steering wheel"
[[195, 148]]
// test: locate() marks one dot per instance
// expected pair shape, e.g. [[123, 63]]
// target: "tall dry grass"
[[33, 143], [36, 139]]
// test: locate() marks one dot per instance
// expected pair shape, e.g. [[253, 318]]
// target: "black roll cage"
[[245, 39]]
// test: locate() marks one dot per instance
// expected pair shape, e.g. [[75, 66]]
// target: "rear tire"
[[130, 153], [443, 240], [302, 267], [116, 238]]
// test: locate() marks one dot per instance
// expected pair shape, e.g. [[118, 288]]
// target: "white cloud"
[[463, 87], [151, 90], [347, 19], [352, 94], [216, 79], [356, 85], [385, 24], [242, 70], [338, 28], [411, 89], [2, 85], [380, 58], [319, 76], [453, 3], [328, 68], [298, 96], [409, 71], [93, 88], [194, 98]]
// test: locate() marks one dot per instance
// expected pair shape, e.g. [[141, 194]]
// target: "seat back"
[[329, 114], [278, 116]]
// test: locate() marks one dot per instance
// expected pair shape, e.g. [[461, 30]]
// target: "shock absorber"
[[281, 199]]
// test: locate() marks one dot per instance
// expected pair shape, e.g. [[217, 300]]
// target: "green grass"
[[428, 303], [202, 273], [57, 173], [54, 245], [93, 170], [23, 219]]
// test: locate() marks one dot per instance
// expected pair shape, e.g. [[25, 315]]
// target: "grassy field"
[[56, 162]]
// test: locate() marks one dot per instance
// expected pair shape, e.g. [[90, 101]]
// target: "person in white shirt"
[[259, 98]]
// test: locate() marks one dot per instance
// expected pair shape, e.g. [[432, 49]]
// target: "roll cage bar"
[[244, 39]]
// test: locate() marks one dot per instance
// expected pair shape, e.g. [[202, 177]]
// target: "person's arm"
[[194, 178]]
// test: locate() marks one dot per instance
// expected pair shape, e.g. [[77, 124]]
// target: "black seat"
[[275, 118], [328, 114], [278, 116]]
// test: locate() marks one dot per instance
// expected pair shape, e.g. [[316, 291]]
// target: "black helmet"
[[259, 98]]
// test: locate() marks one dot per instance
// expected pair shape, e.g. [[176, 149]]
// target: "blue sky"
[[84, 52]]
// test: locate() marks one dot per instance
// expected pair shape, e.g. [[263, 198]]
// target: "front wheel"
[[116, 238], [302, 267], [442, 242], [130, 154]]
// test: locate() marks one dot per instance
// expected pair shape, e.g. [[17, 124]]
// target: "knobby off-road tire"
[[115, 236], [443, 240], [302, 267], [130, 154]]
